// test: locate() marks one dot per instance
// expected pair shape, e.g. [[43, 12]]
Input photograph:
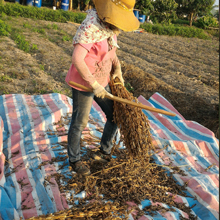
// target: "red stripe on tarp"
[[180, 147], [17, 160]]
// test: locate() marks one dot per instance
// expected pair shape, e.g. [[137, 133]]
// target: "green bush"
[[13, 9], [4, 29], [207, 21], [174, 30], [185, 22]]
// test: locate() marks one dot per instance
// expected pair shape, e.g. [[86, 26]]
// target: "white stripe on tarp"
[[16, 215]]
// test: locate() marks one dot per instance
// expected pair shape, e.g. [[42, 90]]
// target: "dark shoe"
[[80, 168], [100, 156]]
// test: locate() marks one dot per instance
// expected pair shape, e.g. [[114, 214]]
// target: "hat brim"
[[116, 15]]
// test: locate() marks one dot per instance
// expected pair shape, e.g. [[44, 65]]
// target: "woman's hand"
[[118, 73], [98, 90]]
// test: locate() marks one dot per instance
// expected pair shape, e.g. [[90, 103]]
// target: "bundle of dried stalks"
[[133, 123], [97, 209]]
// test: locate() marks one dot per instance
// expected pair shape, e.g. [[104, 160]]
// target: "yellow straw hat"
[[118, 13]]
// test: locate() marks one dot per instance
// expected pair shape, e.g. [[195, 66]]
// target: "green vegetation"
[[19, 39], [4, 29], [174, 30], [41, 66], [129, 87], [12, 9], [17, 36], [66, 38], [207, 21], [5, 78], [165, 11]]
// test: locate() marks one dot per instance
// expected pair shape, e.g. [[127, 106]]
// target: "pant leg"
[[82, 103], [110, 128]]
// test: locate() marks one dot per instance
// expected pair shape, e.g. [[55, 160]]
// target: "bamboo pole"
[[125, 101]]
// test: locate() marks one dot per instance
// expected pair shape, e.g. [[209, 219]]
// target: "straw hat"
[[118, 13]]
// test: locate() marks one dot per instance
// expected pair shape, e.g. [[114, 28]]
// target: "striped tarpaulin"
[[31, 133]]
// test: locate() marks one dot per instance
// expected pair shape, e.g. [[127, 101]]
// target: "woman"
[[93, 58]]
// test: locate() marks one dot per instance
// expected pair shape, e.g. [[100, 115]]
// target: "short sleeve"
[[87, 46]]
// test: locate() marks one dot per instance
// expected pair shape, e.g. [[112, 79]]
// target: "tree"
[[86, 3], [82, 4], [216, 14], [192, 8], [145, 6], [164, 10]]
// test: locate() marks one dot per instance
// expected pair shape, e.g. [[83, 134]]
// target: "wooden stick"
[[125, 101]]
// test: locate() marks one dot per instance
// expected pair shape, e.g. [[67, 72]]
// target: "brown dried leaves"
[[133, 123]]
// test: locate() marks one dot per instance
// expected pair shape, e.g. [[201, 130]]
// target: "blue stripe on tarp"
[[7, 210], [200, 210]]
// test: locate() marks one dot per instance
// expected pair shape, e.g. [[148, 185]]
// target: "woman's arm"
[[79, 54], [117, 70]]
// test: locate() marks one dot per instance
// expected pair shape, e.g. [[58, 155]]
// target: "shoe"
[[80, 168], [100, 156]]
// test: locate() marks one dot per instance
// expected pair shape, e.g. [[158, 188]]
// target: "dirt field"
[[184, 70]]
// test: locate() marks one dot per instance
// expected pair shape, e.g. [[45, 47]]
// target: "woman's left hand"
[[118, 73]]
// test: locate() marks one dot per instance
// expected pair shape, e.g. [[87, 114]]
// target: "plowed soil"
[[183, 70]]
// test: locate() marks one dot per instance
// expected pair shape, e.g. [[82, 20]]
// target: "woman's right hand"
[[98, 90]]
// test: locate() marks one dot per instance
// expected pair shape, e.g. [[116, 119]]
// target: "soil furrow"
[[175, 56], [180, 82], [188, 44]]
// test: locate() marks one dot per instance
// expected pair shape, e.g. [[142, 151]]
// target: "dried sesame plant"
[[133, 123]]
